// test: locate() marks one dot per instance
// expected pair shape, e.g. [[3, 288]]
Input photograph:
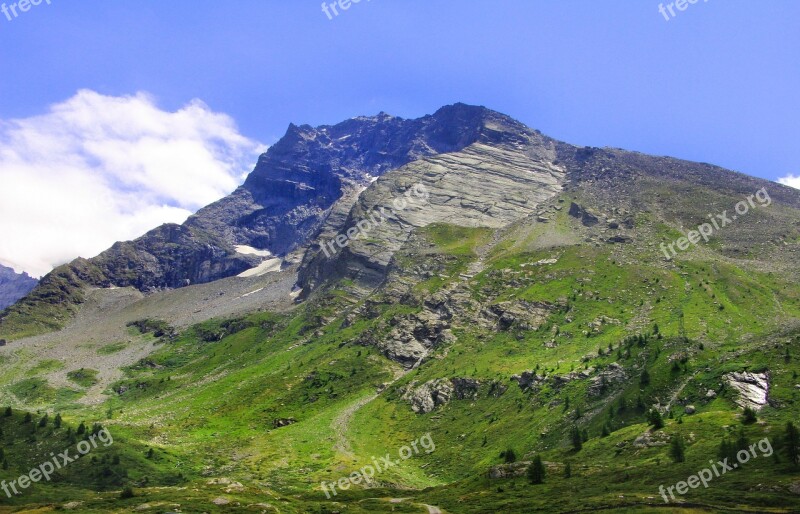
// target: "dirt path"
[[341, 423], [677, 392]]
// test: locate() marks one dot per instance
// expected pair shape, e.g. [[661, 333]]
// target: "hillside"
[[460, 294]]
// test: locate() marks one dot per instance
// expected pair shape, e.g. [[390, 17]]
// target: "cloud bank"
[[97, 169], [790, 180]]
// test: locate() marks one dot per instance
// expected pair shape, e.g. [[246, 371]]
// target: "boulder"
[[584, 215], [752, 388]]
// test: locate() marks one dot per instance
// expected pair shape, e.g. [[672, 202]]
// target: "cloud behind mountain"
[[96, 169]]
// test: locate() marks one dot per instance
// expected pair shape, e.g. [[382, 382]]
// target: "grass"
[[112, 348], [208, 401], [83, 377]]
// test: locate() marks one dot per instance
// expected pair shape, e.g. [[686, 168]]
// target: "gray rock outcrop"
[[752, 388]]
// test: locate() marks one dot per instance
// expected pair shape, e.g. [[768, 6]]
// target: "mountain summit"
[[516, 306], [483, 168]]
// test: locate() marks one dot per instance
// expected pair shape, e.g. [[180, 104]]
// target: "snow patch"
[[268, 266], [249, 250]]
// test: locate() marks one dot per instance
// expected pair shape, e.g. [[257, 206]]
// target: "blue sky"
[[717, 83]]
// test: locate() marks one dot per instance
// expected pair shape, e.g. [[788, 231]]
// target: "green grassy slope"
[[259, 410]]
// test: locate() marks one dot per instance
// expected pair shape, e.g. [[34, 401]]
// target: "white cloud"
[[97, 169], [790, 180]]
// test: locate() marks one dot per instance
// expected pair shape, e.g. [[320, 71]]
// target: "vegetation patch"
[[83, 377]]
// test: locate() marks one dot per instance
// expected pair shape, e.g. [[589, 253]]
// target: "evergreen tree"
[[509, 456], [742, 443], [645, 378], [654, 418], [43, 421], [791, 443], [577, 439], [536, 471], [28, 418], [57, 421], [677, 448], [568, 470], [749, 416], [81, 429], [9, 412], [727, 450]]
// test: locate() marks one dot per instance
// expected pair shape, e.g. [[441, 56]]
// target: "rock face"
[[611, 375], [513, 470], [434, 393], [14, 286], [752, 388], [502, 176], [478, 168], [429, 395], [311, 175]]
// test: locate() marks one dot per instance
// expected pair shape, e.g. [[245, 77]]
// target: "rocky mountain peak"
[[14, 286]]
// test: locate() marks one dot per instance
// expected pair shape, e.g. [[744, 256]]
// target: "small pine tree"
[[568, 470], [585, 435], [43, 421], [536, 471], [742, 442], [81, 429], [9, 412], [604, 432], [28, 418], [126, 493], [150, 453], [726, 450], [57, 421], [791, 443], [677, 448], [749, 416], [645, 378], [509, 456], [5, 464], [577, 439], [654, 418]]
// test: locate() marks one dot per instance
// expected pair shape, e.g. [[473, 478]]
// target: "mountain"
[[461, 294], [13, 286], [309, 175]]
